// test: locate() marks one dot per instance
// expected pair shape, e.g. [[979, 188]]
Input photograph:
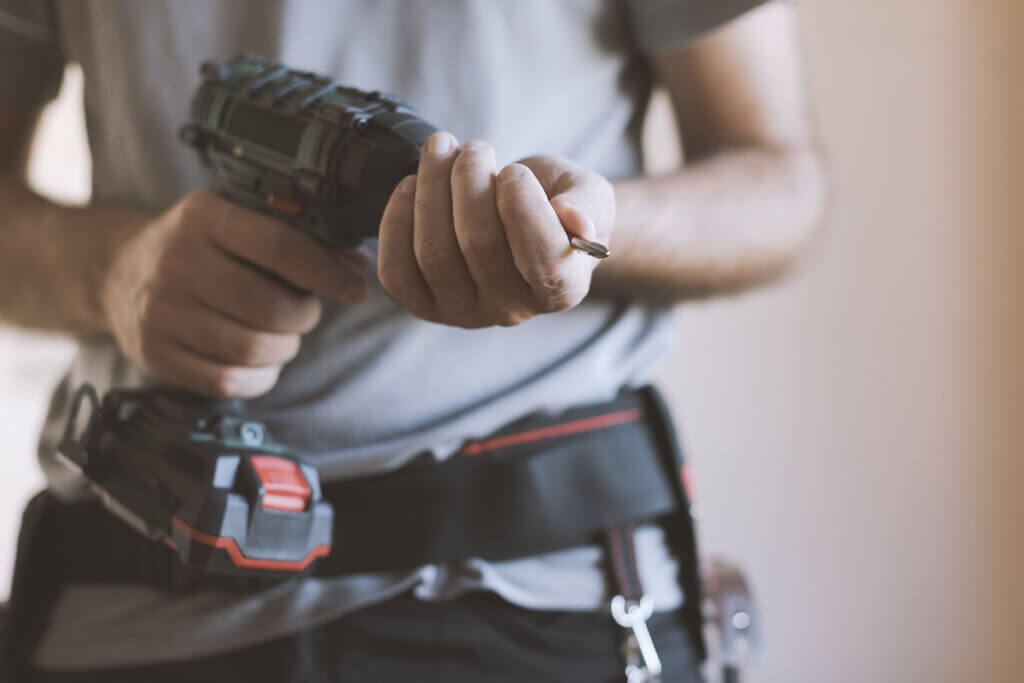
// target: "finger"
[[478, 228], [587, 208], [574, 220], [183, 368], [583, 200], [397, 270], [540, 246], [358, 260], [250, 296], [434, 242], [219, 338], [283, 250]]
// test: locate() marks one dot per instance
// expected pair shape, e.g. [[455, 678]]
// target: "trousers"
[[475, 638]]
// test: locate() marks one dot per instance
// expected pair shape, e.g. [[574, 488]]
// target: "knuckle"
[[279, 313], [172, 265], [548, 280], [456, 317], [289, 348], [226, 381], [388, 274], [398, 288], [555, 291], [479, 238], [562, 300], [395, 282], [291, 313], [192, 207], [408, 295], [309, 316], [510, 317], [286, 247], [473, 156], [233, 381], [432, 254], [406, 188], [422, 205], [149, 342], [147, 305], [251, 349], [510, 201]]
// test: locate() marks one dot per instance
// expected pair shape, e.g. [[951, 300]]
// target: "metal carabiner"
[[642, 662]]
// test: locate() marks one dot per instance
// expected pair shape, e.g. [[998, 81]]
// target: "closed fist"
[[464, 244], [214, 298]]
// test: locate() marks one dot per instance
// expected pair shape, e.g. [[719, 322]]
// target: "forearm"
[[53, 260], [723, 224]]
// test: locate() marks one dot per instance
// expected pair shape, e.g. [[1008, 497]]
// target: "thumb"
[[587, 209], [574, 219]]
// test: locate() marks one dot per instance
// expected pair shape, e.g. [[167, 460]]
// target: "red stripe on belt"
[[588, 424]]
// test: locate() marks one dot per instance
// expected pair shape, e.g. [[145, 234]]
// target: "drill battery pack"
[[201, 478]]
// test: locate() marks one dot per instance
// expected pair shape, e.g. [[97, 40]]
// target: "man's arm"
[[464, 243], [51, 257], [752, 191]]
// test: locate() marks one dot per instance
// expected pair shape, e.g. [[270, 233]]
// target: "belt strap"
[[539, 485], [620, 551]]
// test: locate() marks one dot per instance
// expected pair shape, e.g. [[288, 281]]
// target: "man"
[[472, 314]]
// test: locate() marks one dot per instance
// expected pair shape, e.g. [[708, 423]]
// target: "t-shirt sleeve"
[[663, 25], [31, 59]]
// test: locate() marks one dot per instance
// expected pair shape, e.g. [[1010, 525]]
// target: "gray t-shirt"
[[372, 386]]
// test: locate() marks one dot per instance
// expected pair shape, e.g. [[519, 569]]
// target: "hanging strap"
[[630, 607]]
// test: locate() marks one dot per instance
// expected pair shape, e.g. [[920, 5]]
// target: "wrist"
[[109, 260]]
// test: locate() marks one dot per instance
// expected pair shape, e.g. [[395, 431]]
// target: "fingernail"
[[512, 172], [354, 259], [407, 185], [440, 143], [560, 203]]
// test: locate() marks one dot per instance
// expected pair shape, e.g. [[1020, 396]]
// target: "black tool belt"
[[541, 484]]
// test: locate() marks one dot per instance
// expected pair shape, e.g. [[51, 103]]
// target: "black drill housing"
[[318, 155]]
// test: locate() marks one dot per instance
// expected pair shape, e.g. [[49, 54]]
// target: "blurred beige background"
[[856, 431]]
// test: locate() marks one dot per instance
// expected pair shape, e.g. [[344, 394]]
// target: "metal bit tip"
[[595, 249]]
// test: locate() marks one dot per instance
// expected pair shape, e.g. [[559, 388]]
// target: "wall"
[[856, 431]]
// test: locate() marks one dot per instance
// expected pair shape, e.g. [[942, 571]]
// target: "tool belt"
[[541, 484]]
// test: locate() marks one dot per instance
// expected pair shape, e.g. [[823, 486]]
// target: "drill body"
[[320, 156]]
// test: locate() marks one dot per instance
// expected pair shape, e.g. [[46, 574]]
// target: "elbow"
[[807, 197]]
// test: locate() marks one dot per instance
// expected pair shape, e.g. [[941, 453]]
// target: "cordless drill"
[[201, 476]]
